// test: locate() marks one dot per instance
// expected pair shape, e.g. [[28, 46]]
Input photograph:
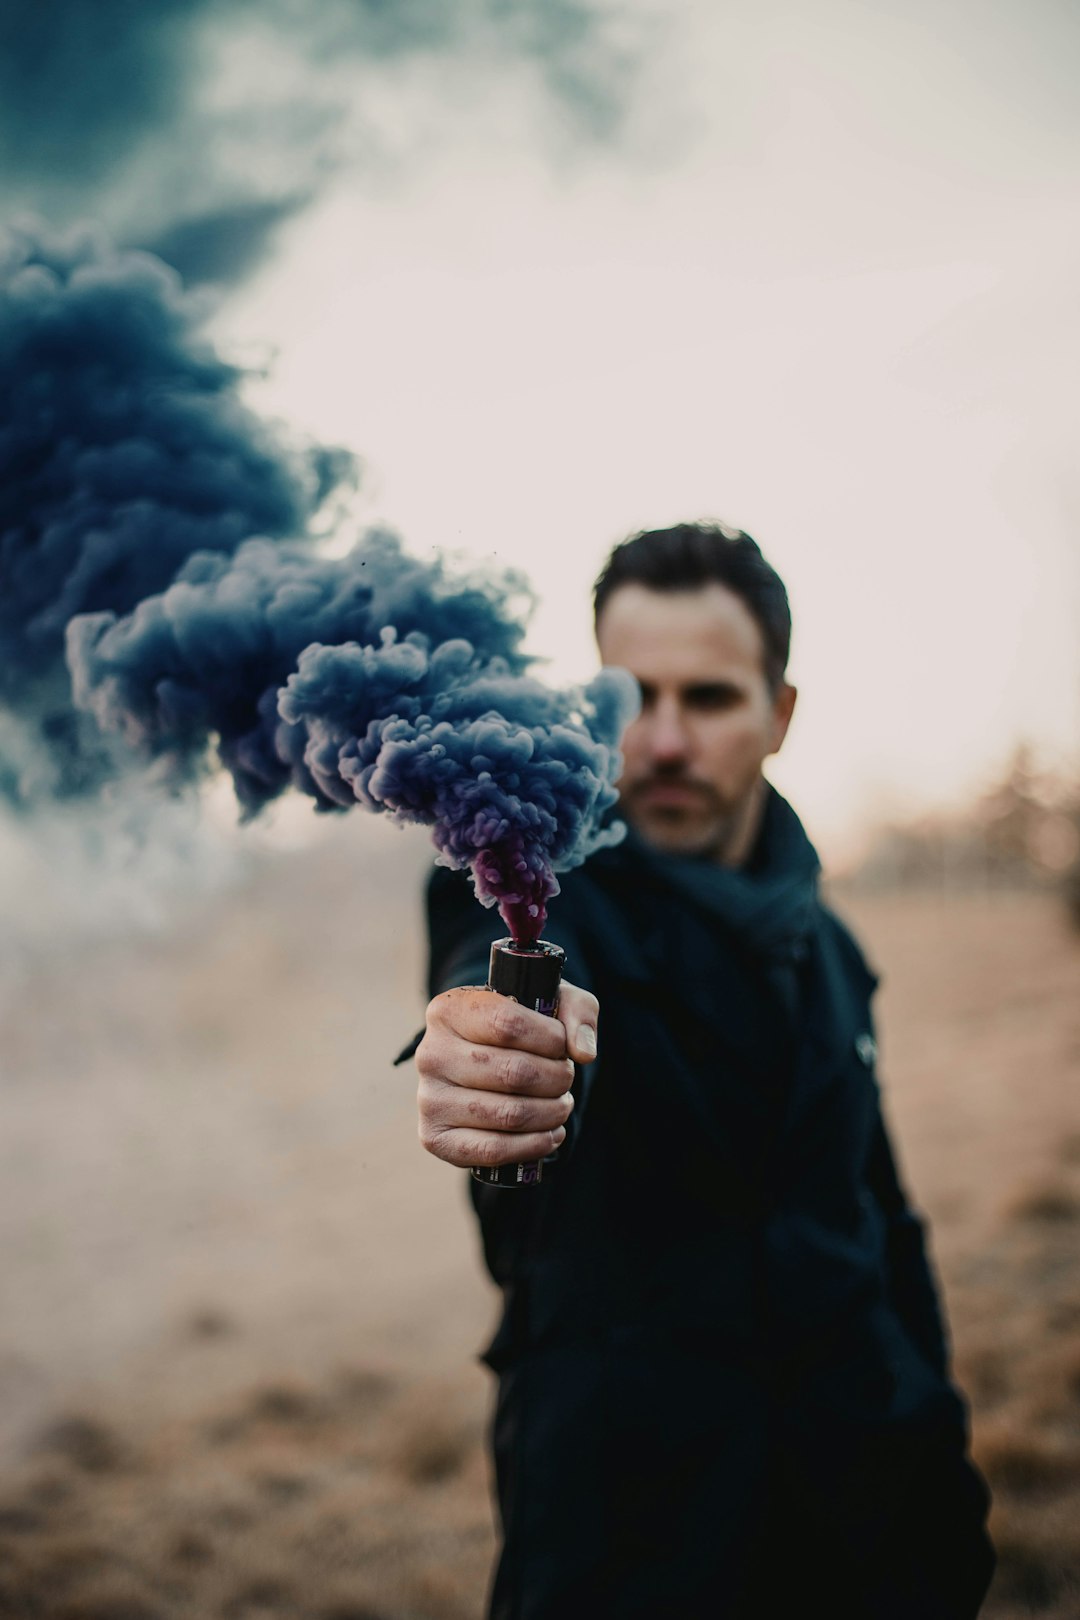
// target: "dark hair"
[[693, 554]]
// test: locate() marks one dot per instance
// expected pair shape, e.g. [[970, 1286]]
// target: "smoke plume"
[[162, 599], [514, 778], [197, 668], [124, 449], [375, 679]]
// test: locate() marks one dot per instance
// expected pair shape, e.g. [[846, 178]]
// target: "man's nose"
[[669, 739]]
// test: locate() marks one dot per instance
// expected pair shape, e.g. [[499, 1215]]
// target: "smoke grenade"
[[530, 973]]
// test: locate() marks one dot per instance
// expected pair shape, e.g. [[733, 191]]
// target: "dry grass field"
[[239, 1308]]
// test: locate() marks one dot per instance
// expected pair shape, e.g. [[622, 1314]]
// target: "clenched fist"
[[495, 1077]]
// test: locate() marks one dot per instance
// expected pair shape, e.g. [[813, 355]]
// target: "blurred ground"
[[239, 1308]]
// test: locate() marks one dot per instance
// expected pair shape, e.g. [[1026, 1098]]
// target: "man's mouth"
[[662, 795]]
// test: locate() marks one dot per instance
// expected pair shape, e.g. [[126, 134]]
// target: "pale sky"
[[823, 288]]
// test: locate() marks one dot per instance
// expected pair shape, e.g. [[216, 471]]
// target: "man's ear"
[[783, 709]]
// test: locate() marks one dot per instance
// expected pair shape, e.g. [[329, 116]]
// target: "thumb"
[[578, 1014]]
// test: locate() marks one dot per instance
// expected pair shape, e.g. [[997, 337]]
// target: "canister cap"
[[529, 948], [529, 973]]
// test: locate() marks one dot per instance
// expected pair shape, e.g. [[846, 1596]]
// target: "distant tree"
[[1023, 831]]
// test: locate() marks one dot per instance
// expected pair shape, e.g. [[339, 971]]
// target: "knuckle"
[[431, 1104], [428, 1060], [519, 1072], [424, 1067], [446, 1011], [438, 1010], [507, 1023], [509, 1114], [440, 1143]]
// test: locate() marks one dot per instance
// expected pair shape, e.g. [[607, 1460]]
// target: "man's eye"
[[709, 698]]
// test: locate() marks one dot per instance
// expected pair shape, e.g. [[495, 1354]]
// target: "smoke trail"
[[374, 678], [124, 448]]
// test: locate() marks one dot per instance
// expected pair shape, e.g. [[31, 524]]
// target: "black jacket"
[[722, 1356]]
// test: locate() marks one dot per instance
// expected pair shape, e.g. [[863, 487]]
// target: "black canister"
[[531, 975]]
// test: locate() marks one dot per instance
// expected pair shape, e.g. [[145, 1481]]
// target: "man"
[[723, 1372]]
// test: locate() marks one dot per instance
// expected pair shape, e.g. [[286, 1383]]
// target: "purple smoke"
[[514, 778]]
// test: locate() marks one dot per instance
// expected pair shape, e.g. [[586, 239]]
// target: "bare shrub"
[[257, 1595], [1024, 1460], [287, 1401], [428, 1436], [87, 1442], [1038, 1558]]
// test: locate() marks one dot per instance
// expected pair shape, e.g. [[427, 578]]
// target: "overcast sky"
[[566, 271], [823, 286]]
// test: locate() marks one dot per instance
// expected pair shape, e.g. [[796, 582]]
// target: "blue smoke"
[[124, 448], [161, 598], [201, 663], [375, 679]]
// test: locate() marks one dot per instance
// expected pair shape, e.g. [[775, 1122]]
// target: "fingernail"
[[558, 1135], [586, 1039], [567, 1098]]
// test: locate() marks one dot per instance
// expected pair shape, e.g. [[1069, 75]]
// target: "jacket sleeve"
[[912, 1286]]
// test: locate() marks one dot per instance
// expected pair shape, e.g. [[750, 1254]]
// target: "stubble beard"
[[711, 830]]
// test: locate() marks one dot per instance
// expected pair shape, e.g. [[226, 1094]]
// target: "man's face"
[[693, 757]]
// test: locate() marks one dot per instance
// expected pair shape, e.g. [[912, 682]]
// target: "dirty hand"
[[495, 1077]]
